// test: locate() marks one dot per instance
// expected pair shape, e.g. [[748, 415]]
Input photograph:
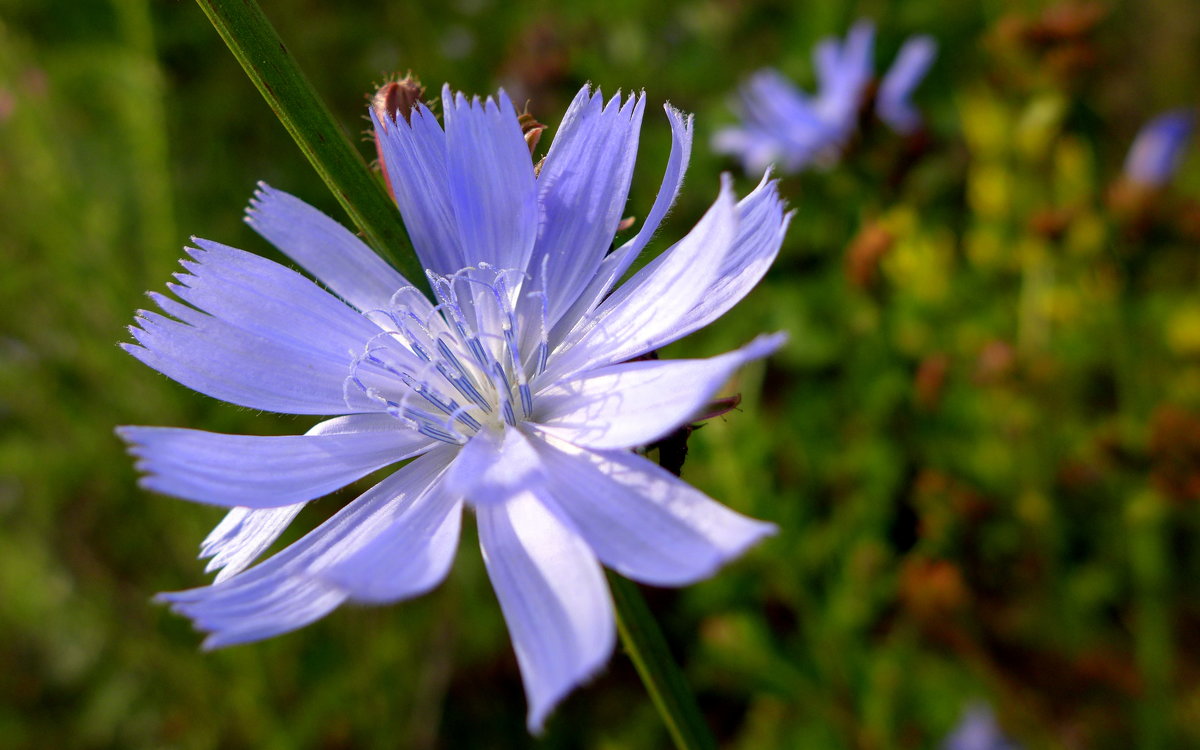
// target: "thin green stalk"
[[1148, 520], [257, 46], [648, 649]]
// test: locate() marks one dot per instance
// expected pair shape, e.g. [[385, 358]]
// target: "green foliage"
[[982, 444]]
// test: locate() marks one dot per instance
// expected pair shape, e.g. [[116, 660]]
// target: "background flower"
[[977, 730], [781, 124], [1159, 147]]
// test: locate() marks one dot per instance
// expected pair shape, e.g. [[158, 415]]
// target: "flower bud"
[[397, 99]]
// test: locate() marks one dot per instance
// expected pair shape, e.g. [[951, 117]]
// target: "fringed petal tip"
[[678, 117], [263, 196], [458, 100]]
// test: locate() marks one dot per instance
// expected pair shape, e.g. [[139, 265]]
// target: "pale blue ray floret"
[[1159, 147], [785, 126], [977, 730], [513, 391]]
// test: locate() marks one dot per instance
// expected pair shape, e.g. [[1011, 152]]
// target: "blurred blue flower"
[[514, 394], [977, 730], [1158, 149], [783, 125]]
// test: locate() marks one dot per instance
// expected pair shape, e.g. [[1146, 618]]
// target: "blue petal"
[[582, 189], [912, 63], [827, 61], [641, 520], [761, 228], [780, 124], [265, 298], [414, 153], [491, 181], [636, 403], [754, 147], [245, 533], [408, 558], [273, 340], [286, 591], [677, 164], [553, 595], [977, 730], [1158, 149], [224, 362], [614, 265], [242, 535], [646, 311], [843, 74], [773, 104], [491, 468], [325, 248], [267, 472]]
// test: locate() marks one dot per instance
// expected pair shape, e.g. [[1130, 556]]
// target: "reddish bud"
[[997, 360], [930, 381], [397, 99], [1175, 453], [932, 590], [865, 253], [393, 100], [531, 129]]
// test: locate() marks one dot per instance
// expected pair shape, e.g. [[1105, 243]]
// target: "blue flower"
[[514, 395], [781, 124], [1158, 149], [977, 730]]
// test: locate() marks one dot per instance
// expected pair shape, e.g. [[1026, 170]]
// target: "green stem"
[[1151, 563], [648, 649], [257, 46]]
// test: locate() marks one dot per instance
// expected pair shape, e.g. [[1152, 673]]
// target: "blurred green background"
[[982, 444]]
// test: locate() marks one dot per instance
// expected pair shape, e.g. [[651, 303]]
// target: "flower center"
[[456, 367]]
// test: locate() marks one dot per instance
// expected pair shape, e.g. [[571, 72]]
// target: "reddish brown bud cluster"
[[1135, 205], [1051, 223], [932, 590], [531, 129], [1175, 453], [866, 251], [930, 381], [393, 100], [397, 99], [997, 361], [1061, 37], [1064, 23]]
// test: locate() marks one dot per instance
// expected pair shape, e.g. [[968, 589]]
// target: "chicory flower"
[[977, 730], [515, 395], [782, 124], [1158, 149]]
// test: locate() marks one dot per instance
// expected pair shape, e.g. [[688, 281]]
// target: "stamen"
[[526, 400], [466, 345], [505, 394], [462, 380]]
